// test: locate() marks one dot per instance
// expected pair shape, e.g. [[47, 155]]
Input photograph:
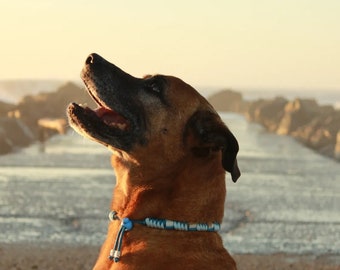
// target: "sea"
[[286, 200]]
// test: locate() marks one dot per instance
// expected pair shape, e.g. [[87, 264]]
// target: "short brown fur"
[[165, 177]]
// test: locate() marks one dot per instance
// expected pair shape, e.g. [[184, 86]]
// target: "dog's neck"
[[200, 197]]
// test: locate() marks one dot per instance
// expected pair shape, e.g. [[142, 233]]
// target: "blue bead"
[[127, 223]]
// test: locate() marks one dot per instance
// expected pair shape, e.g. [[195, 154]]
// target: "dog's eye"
[[154, 87]]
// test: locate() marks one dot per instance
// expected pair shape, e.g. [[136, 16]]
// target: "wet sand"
[[22, 257]]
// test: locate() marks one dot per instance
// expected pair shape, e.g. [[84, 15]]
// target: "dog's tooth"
[[121, 125], [83, 105]]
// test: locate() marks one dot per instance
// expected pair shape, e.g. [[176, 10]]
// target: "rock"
[[14, 134], [5, 107], [267, 112], [56, 124], [228, 100], [318, 127], [50, 105], [321, 132], [20, 124], [5, 145], [296, 114], [337, 147]]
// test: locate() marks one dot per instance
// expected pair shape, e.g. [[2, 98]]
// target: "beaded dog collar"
[[164, 224]]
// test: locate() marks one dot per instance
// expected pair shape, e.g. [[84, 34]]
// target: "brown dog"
[[170, 152]]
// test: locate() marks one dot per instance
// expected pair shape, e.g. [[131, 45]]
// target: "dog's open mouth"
[[107, 115], [102, 124], [86, 117], [112, 118], [117, 121]]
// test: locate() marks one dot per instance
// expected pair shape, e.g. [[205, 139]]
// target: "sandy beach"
[[68, 257]]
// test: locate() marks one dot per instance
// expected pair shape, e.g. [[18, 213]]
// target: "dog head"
[[161, 113]]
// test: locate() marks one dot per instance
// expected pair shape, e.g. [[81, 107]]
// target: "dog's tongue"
[[111, 117]]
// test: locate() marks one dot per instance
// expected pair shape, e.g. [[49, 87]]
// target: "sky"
[[217, 43]]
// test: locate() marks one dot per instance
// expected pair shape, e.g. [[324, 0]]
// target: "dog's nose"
[[90, 59], [94, 58]]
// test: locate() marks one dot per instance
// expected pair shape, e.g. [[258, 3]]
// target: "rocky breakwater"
[[37, 117], [316, 126]]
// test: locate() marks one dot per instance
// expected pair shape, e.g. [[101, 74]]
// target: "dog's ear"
[[211, 134]]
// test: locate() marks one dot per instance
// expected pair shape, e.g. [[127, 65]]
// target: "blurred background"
[[242, 44], [269, 67]]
